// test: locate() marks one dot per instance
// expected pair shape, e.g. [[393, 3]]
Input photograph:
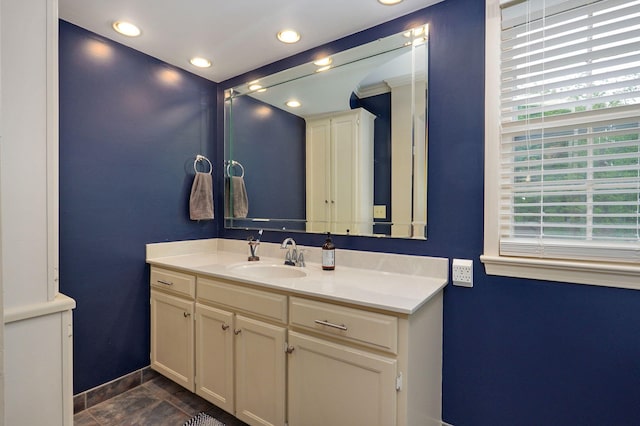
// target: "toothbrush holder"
[[253, 251]]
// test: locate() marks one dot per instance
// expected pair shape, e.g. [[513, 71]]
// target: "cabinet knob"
[[186, 314], [237, 331], [225, 327], [289, 349]]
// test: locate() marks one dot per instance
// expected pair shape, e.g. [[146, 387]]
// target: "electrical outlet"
[[462, 272], [380, 212]]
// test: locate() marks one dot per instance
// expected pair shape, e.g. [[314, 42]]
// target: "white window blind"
[[570, 120]]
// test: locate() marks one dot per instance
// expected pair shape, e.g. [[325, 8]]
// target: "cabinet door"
[[214, 356], [260, 372], [344, 134], [333, 384], [172, 338], [318, 175]]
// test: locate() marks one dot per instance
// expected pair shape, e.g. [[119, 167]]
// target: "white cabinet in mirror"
[[284, 170]]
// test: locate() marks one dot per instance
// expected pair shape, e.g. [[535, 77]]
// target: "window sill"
[[592, 273]]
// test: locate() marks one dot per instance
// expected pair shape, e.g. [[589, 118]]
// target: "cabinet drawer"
[[175, 282], [262, 303], [368, 328]]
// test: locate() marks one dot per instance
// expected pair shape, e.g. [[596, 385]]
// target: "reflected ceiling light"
[[255, 86], [323, 62], [200, 62], [126, 28], [288, 36], [417, 32], [293, 103], [389, 2]]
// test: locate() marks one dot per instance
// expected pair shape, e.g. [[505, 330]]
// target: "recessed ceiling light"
[[293, 103], [321, 69], [126, 28], [389, 2], [200, 62], [254, 87], [288, 36]]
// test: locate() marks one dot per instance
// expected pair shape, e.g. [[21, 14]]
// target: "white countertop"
[[379, 286]]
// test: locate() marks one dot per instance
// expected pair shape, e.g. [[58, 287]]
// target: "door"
[[172, 338], [214, 356], [260, 372], [333, 384]]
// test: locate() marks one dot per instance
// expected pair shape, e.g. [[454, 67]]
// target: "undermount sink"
[[258, 270]]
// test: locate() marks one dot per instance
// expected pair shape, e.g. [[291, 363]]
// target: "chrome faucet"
[[292, 257]]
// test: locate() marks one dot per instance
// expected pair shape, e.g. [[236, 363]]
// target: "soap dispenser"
[[328, 254]]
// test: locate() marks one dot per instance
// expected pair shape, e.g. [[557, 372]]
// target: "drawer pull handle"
[[225, 327], [332, 325], [165, 282]]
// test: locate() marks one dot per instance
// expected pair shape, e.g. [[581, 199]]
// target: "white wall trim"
[[592, 273], [52, 149], [60, 303]]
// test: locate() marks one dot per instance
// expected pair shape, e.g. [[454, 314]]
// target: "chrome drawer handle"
[[332, 325], [165, 282]]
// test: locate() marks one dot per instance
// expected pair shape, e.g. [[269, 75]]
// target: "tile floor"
[[158, 402]]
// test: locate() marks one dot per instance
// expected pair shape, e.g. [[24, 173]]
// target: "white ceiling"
[[236, 35]]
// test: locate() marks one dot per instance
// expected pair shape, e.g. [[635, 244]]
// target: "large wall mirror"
[[338, 145]]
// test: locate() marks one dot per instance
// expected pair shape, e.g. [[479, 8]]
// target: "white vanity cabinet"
[[273, 356], [240, 345], [172, 309], [339, 180]]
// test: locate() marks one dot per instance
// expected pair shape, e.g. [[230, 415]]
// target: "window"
[[563, 140]]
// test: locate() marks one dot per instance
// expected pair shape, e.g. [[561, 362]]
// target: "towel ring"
[[202, 158], [234, 163]]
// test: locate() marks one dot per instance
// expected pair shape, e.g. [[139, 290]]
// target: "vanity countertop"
[[379, 285]]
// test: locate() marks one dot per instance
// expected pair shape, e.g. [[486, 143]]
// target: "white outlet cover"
[[462, 272]]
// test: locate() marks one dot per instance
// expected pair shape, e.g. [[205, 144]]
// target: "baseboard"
[[108, 390]]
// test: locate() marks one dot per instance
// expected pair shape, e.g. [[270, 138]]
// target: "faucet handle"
[[300, 260], [289, 260]]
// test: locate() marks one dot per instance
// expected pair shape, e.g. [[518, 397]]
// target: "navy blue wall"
[[516, 352], [268, 138], [130, 127]]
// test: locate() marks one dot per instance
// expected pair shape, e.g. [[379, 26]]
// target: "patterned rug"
[[203, 419]]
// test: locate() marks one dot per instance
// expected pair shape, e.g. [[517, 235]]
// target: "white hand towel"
[[201, 199]]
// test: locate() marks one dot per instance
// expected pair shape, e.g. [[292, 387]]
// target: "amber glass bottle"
[[328, 254]]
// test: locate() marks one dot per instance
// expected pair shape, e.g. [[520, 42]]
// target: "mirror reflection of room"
[[347, 157]]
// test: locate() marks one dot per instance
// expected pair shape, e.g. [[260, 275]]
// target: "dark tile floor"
[[158, 402]]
